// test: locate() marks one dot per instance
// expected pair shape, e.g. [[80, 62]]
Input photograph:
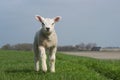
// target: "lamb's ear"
[[56, 19], [39, 18]]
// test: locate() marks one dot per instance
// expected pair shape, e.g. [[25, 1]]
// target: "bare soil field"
[[98, 55]]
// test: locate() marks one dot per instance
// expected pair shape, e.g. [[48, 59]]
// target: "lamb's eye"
[[53, 23], [43, 24]]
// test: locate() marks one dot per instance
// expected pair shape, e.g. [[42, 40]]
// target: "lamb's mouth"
[[48, 32]]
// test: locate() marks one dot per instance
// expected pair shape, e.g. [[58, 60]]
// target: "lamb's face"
[[47, 24]]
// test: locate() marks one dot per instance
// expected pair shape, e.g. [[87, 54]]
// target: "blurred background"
[[95, 22]]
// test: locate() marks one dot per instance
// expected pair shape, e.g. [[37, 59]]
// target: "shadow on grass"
[[24, 71], [19, 71]]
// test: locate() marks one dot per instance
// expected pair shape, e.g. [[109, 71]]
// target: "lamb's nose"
[[47, 29]]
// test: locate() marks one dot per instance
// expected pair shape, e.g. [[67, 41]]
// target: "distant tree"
[[89, 46], [23, 46], [83, 46], [6, 47]]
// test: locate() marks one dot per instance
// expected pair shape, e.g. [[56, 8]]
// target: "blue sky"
[[88, 21]]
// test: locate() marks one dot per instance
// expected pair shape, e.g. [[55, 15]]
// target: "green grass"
[[19, 65]]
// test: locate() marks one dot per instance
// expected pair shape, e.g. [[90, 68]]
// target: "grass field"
[[19, 65]]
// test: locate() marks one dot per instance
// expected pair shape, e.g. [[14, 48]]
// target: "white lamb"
[[45, 38]]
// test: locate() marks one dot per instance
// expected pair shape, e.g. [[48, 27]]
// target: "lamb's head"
[[47, 23]]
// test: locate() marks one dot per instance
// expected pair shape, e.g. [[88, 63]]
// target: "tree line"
[[78, 47], [22, 46]]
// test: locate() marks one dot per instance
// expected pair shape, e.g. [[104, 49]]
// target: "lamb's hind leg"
[[52, 59], [36, 58]]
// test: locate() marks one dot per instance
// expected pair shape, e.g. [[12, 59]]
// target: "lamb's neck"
[[48, 36]]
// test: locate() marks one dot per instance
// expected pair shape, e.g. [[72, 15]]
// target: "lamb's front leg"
[[52, 58], [43, 58], [36, 58]]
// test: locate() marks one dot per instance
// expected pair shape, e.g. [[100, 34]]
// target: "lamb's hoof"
[[44, 72], [37, 70], [52, 71]]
